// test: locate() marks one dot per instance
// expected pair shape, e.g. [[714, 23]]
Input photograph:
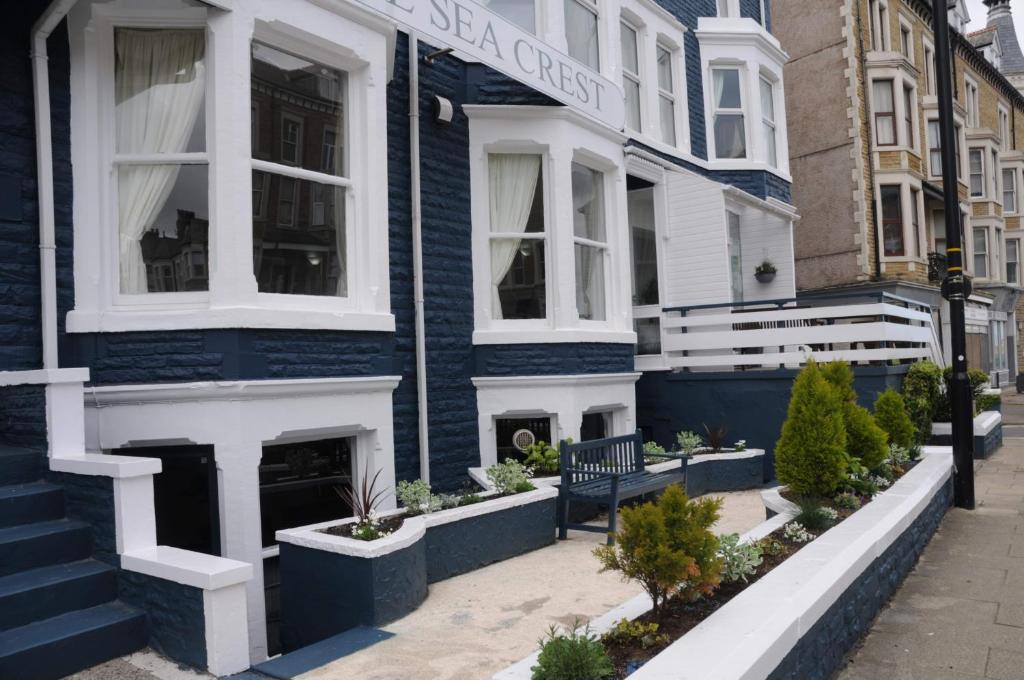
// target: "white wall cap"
[[433, 519], [556, 380], [310, 536], [185, 566], [101, 464], [44, 376]]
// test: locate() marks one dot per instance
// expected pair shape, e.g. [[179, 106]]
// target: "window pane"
[[644, 244], [723, 8], [303, 104], [632, 89], [516, 193], [1009, 192], [648, 335], [892, 221], [519, 12], [588, 203], [299, 247], [665, 69], [770, 145], [161, 237], [581, 32], [727, 89], [667, 114], [767, 100], [521, 291], [730, 136], [629, 58], [590, 282], [981, 253], [977, 173], [159, 84], [883, 96], [1012, 260]]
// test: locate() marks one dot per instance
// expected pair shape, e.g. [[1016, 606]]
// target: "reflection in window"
[[644, 242], [630, 75], [590, 241], [581, 35], [981, 252], [730, 129], [892, 221], [160, 83], [299, 223], [517, 236], [519, 12], [666, 96], [648, 335]]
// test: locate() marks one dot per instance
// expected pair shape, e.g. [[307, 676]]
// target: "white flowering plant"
[[689, 442], [510, 477], [741, 445], [795, 532]]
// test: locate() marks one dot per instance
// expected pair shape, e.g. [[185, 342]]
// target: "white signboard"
[[484, 36]]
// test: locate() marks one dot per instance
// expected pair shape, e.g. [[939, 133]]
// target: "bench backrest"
[[581, 461]]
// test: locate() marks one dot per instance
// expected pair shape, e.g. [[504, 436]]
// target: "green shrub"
[[542, 458], [667, 547], [689, 442], [816, 517], [864, 438], [628, 633], [574, 655], [739, 560], [987, 402], [922, 393], [840, 376], [510, 477], [847, 501], [891, 416], [416, 497], [977, 378], [810, 456]]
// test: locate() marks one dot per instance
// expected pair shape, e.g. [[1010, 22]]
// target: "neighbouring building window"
[[1005, 139], [768, 121], [666, 96], [906, 42], [934, 149], [728, 116], [892, 221], [735, 248], [581, 32], [160, 158], [977, 161], [631, 75], [908, 116], [999, 346], [300, 249], [929, 69], [972, 104], [590, 241], [1009, 191], [981, 252], [994, 174], [523, 13], [885, 113], [1013, 261], [915, 221], [518, 236]]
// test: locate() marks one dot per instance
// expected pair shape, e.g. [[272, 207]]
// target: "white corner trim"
[[555, 380], [116, 321], [235, 390], [227, 642], [310, 536], [103, 465], [44, 376], [984, 423], [433, 519], [185, 566]]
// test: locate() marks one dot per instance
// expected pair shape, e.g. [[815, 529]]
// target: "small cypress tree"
[[923, 395], [810, 456], [865, 440], [891, 416], [840, 376]]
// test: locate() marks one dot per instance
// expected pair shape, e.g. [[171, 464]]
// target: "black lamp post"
[[955, 287]]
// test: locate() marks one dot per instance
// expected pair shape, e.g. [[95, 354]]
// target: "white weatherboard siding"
[[766, 236], [696, 249]]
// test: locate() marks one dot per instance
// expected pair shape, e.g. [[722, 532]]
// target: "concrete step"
[[31, 502], [19, 465], [46, 592], [29, 546], [66, 644]]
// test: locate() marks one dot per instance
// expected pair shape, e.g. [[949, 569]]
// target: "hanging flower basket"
[[765, 272]]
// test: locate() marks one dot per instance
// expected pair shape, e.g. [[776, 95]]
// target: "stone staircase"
[[59, 611]]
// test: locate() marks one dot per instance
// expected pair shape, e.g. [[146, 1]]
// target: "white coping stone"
[[765, 621], [185, 566], [44, 376], [310, 536], [433, 519], [101, 464], [984, 423]]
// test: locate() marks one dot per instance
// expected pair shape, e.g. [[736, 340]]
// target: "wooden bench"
[[607, 471]]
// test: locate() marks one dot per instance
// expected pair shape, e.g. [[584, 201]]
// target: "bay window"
[[915, 222], [976, 159], [631, 74], [1013, 261], [768, 121], [980, 251], [729, 119], [581, 32], [994, 174], [666, 95], [1009, 191], [934, 149], [590, 241], [885, 112], [892, 221], [908, 116]]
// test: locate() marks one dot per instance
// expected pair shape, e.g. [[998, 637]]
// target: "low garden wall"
[[988, 433], [330, 583], [802, 618]]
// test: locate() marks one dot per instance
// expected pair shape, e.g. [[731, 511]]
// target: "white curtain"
[[160, 84], [590, 282], [730, 136], [512, 184], [338, 197], [581, 34]]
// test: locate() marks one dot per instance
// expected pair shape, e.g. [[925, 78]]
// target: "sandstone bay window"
[[878, 16], [728, 115], [885, 112], [892, 221], [1009, 191], [299, 248], [590, 241], [631, 74], [666, 95], [976, 158], [1005, 136], [980, 252], [517, 238], [582, 31]]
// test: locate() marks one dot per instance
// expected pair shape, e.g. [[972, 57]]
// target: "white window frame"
[[564, 136], [971, 174], [743, 110], [1003, 117], [929, 67], [1013, 245], [971, 102], [770, 122], [732, 9], [906, 28], [911, 197], [598, 10], [233, 299], [627, 22], [975, 253], [668, 95], [603, 246], [1010, 206]]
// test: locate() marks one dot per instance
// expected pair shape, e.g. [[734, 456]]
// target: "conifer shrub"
[[667, 547], [840, 376], [810, 456], [864, 439], [891, 415], [923, 392]]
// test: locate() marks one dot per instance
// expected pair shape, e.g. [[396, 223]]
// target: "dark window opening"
[[595, 426], [505, 434]]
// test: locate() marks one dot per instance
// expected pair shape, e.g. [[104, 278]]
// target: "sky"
[[979, 16]]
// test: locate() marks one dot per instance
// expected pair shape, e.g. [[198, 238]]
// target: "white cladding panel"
[[696, 258]]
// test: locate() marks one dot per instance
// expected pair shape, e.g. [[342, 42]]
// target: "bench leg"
[[613, 519], [563, 517]]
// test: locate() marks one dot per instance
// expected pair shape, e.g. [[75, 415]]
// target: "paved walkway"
[[960, 613]]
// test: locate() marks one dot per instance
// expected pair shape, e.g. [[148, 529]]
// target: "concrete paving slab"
[[1004, 664]]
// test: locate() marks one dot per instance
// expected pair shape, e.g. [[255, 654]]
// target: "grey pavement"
[[1013, 411], [960, 612]]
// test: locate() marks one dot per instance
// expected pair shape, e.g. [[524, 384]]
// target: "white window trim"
[[233, 300], [906, 25], [1017, 280], [1005, 133], [983, 151], [643, 72], [972, 103], [565, 136], [1016, 189], [929, 67], [987, 229], [733, 9]]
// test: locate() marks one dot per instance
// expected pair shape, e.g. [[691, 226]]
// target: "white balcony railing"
[[870, 329]]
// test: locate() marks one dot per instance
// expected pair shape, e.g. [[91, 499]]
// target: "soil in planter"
[[387, 525]]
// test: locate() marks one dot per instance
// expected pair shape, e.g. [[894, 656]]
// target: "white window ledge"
[[80, 321], [511, 337]]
